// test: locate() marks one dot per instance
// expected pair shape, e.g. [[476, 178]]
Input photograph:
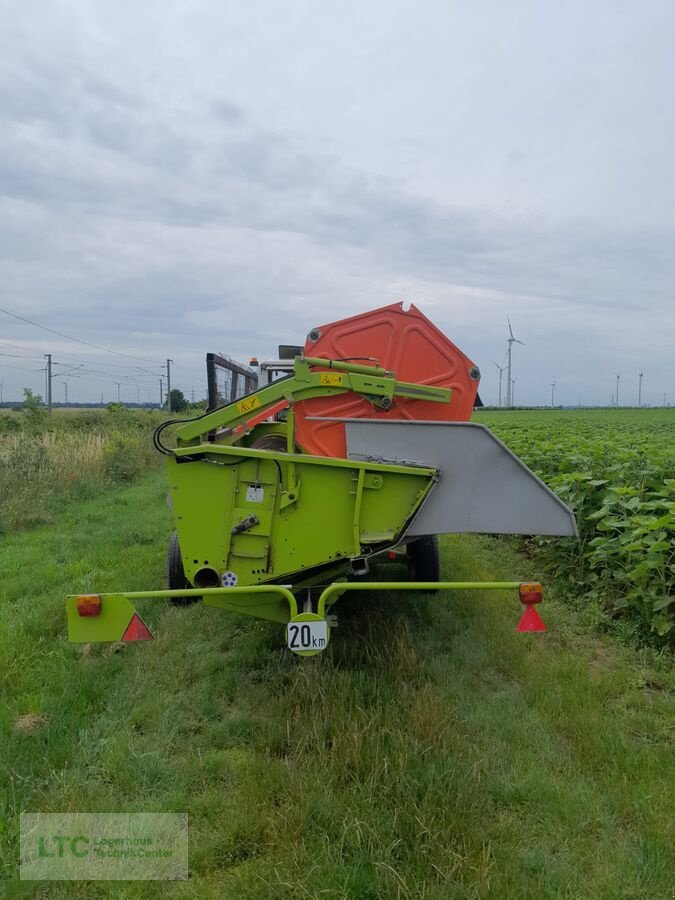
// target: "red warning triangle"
[[530, 620], [137, 630]]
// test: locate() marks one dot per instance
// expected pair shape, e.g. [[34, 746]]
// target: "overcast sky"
[[179, 177]]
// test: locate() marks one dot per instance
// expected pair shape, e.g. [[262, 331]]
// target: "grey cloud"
[[227, 112], [199, 181], [154, 213], [261, 181]]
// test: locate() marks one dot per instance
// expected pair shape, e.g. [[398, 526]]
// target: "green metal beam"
[[281, 457], [117, 608], [371, 382]]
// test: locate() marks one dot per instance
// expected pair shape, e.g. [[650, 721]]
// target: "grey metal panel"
[[483, 486]]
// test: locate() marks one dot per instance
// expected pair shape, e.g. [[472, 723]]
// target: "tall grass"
[[46, 463]]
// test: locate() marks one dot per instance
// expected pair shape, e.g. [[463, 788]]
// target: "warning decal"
[[248, 404], [330, 379]]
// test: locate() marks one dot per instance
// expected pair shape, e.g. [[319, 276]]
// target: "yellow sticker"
[[330, 379], [248, 404]]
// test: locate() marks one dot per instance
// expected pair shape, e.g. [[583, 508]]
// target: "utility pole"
[[168, 385], [618, 378], [640, 391], [161, 392], [49, 381]]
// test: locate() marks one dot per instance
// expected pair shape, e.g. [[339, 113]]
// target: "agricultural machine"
[[362, 453]]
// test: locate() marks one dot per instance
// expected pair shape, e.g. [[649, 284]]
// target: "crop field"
[[429, 752], [616, 469]]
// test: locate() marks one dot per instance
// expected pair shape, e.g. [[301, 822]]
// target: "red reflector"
[[392, 554], [530, 620], [137, 630], [530, 593], [88, 605]]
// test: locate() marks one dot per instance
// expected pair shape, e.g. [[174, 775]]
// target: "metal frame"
[[83, 629], [237, 418], [215, 360]]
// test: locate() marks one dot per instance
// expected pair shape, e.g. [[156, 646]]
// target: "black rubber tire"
[[176, 573], [424, 561]]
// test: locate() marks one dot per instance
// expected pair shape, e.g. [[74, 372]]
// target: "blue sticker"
[[229, 579]]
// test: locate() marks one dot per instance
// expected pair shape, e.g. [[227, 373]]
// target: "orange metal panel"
[[404, 342]]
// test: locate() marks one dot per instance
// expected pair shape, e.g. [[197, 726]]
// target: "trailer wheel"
[[176, 573], [424, 563]]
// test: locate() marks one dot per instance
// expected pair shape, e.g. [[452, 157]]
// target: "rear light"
[[88, 605], [530, 593]]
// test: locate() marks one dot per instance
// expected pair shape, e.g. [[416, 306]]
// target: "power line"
[[106, 378], [17, 346], [97, 374], [83, 370], [86, 371], [188, 372], [21, 368], [70, 338], [72, 369], [78, 356]]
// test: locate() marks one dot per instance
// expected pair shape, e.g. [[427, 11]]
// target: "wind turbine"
[[65, 390], [553, 393], [510, 340], [501, 369], [513, 390], [618, 378], [639, 391]]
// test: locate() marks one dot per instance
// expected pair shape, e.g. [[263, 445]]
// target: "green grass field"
[[430, 752]]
